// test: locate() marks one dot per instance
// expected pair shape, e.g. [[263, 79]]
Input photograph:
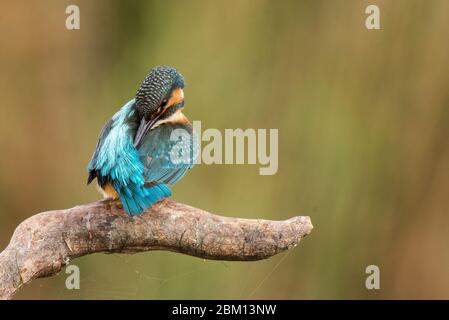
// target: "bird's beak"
[[144, 127]]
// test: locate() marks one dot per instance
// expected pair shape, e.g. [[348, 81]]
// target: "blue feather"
[[127, 169], [137, 198], [117, 161]]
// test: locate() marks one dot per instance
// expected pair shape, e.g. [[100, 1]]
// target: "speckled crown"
[[156, 86]]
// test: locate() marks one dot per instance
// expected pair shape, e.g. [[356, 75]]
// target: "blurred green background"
[[363, 119]]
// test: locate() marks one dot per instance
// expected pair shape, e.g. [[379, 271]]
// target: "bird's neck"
[[176, 118]]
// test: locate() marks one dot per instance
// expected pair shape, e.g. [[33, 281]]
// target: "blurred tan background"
[[363, 119]]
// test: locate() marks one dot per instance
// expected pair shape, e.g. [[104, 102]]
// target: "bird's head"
[[159, 96]]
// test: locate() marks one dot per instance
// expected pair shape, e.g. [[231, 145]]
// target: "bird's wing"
[[167, 152], [117, 162], [92, 166], [114, 155]]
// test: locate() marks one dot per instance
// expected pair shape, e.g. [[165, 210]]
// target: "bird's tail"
[[136, 199]]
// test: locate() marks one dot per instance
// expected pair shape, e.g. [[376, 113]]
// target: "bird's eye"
[[164, 102]]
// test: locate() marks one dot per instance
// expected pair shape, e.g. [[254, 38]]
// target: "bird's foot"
[[118, 203]]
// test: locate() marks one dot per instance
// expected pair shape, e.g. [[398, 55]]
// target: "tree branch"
[[45, 242]]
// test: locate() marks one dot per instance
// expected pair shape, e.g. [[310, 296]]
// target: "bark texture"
[[45, 242]]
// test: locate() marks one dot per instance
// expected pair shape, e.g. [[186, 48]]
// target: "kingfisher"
[[147, 146]]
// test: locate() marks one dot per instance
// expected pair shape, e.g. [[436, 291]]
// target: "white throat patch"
[[178, 116]]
